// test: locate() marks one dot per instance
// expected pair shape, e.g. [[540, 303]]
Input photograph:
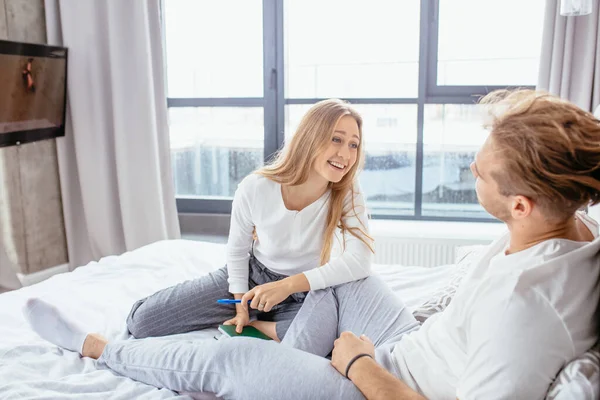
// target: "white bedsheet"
[[100, 295]]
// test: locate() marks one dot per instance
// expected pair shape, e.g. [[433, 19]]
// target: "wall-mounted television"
[[33, 92]]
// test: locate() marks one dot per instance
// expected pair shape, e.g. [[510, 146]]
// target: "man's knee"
[[239, 351]]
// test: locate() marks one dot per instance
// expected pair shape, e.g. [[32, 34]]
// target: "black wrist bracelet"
[[356, 357]]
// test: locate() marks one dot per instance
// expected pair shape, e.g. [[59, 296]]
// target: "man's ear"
[[521, 207]]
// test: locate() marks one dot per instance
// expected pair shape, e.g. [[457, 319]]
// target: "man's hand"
[[346, 347], [265, 297], [370, 378], [240, 320]]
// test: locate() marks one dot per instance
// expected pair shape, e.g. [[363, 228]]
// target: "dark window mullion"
[[203, 205], [215, 102], [425, 38], [270, 77], [452, 99], [366, 100], [453, 90], [430, 41], [279, 52], [431, 218]]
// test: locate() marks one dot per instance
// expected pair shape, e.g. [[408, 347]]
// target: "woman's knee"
[[366, 285], [135, 324], [316, 295]]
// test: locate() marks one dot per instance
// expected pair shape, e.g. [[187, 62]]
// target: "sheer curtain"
[[570, 60], [114, 162]]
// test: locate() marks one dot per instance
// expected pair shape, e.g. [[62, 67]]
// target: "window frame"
[[274, 102], [272, 12]]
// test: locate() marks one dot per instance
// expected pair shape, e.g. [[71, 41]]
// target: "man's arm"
[[376, 383], [368, 376]]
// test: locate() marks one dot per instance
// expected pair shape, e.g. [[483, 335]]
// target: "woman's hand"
[[240, 320], [265, 297]]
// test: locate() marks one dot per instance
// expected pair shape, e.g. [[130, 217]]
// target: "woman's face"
[[341, 154]]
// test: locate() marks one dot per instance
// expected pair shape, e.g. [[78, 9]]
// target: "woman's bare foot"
[[93, 345], [268, 328]]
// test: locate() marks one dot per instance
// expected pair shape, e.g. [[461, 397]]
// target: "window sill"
[[213, 227], [469, 231]]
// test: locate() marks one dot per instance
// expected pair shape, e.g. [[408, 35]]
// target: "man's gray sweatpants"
[[192, 305], [246, 368]]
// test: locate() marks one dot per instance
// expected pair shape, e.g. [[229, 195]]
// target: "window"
[[215, 95], [214, 148], [452, 134], [474, 50], [346, 54], [239, 83], [213, 52]]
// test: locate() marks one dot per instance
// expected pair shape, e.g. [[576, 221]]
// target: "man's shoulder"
[[506, 303], [559, 294], [562, 272]]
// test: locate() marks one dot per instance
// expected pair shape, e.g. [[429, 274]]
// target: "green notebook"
[[248, 331]]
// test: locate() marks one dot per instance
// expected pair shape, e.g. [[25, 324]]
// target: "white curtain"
[[570, 60], [114, 160], [8, 277]]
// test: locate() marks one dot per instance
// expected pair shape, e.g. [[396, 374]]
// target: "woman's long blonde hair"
[[293, 165]]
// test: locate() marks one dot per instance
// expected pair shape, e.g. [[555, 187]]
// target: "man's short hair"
[[549, 149]]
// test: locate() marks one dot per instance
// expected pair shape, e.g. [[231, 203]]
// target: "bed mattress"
[[100, 294]]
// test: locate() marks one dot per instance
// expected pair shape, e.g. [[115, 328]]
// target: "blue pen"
[[230, 301]]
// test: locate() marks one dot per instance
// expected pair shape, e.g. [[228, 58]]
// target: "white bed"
[[100, 296]]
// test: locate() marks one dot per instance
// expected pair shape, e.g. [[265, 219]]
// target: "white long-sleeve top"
[[290, 242]]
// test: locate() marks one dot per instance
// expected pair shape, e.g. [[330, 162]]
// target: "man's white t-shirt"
[[513, 323]]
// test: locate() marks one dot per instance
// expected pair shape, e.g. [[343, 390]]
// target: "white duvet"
[[100, 295]]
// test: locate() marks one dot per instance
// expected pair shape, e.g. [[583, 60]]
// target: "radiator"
[[424, 252]]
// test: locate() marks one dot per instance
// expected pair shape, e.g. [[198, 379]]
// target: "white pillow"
[[579, 379], [465, 255]]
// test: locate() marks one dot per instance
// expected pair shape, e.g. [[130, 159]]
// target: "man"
[[524, 310]]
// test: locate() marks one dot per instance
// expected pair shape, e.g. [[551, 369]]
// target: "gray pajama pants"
[[192, 305], [246, 368]]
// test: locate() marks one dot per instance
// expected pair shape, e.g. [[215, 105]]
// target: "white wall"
[[31, 216]]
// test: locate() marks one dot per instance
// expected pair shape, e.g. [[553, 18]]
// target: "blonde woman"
[[293, 209]]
